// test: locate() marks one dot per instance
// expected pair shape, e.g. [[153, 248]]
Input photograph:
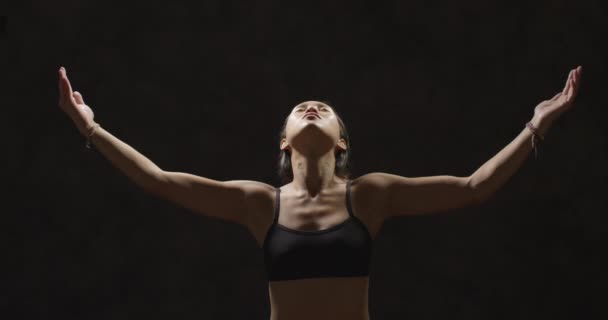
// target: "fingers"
[[577, 80], [78, 97], [65, 88], [60, 88], [567, 85], [572, 84], [575, 83]]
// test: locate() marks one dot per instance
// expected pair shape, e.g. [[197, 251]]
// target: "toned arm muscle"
[[419, 195], [226, 200]]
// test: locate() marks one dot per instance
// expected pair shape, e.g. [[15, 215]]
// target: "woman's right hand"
[[72, 104]]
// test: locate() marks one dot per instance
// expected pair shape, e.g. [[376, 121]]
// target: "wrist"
[[542, 124], [90, 131], [86, 128]]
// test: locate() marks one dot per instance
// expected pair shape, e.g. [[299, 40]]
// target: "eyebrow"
[[322, 103]]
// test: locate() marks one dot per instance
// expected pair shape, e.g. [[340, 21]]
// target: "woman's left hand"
[[551, 109]]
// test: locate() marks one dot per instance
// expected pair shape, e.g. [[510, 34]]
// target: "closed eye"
[[321, 109]]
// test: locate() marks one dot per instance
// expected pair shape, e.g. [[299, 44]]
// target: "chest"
[[293, 213], [342, 249], [311, 215]]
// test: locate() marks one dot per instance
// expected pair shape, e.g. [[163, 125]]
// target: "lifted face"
[[312, 123]]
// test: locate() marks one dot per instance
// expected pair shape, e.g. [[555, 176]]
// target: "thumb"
[[78, 97]]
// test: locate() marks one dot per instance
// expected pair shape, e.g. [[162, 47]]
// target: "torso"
[[333, 298]]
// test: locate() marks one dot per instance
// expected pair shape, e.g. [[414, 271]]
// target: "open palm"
[[554, 107], [73, 105]]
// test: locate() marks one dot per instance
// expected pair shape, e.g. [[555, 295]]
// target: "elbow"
[[481, 194], [155, 182], [476, 191]]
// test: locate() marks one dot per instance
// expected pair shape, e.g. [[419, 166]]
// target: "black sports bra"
[[343, 250]]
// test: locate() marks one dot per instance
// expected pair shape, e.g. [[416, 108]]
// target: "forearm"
[[133, 164], [495, 172]]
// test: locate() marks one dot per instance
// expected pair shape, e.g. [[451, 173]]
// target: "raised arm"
[[235, 200], [494, 173], [396, 195], [226, 200], [417, 195]]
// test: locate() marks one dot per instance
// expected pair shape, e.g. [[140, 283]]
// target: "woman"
[[316, 230]]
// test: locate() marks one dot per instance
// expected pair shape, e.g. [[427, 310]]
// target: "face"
[[318, 132]]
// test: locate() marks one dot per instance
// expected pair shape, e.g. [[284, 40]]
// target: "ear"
[[284, 145], [342, 144]]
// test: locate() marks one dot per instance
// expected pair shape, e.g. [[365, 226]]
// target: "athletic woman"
[[317, 229]]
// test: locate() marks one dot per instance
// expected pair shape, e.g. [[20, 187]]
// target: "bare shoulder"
[[371, 186], [252, 189], [258, 195], [371, 181], [369, 196], [259, 202]]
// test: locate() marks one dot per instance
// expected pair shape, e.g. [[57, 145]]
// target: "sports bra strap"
[[276, 205], [348, 206]]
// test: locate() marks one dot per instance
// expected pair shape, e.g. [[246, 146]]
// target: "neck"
[[312, 174]]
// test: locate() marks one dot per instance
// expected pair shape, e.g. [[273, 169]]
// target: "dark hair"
[[342, 168]]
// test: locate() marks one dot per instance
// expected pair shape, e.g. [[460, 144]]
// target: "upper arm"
[[418, 195], [227, 200]]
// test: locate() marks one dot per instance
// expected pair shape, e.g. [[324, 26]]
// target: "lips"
[[311, 113]]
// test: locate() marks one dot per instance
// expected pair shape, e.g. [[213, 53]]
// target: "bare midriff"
[[336, 298]]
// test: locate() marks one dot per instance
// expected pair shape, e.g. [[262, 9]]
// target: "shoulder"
[[259, 201], [251, 188], [258, 195], [372, 180], [369, 196]]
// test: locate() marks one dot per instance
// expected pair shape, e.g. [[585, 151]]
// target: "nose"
[[312, 106]]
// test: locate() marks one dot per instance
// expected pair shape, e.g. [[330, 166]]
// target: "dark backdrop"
[[425, 88]]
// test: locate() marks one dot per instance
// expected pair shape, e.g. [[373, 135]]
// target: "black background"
[[425, 88]]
